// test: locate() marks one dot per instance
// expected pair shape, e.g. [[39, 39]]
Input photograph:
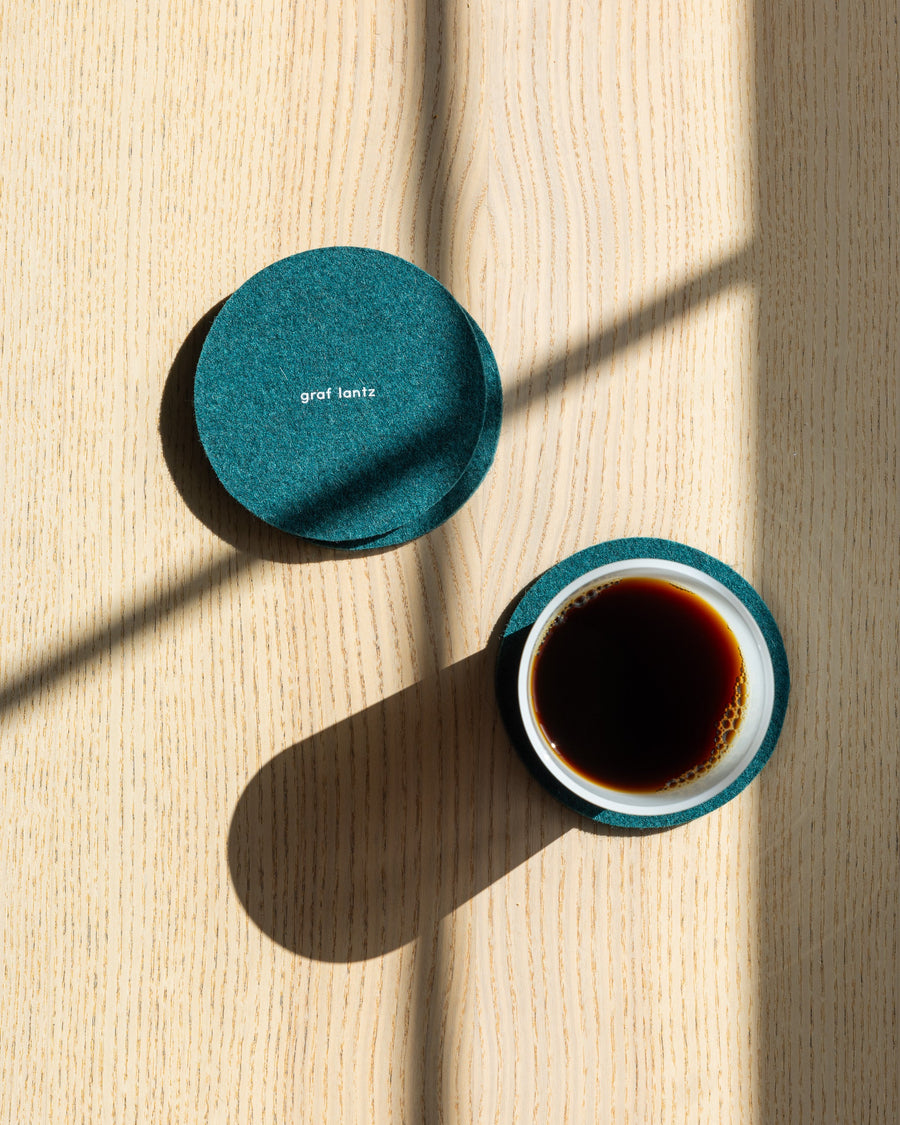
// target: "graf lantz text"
[[336, 392]]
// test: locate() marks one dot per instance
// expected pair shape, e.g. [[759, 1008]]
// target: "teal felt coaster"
[[529, 608], [475, 471], [340, 394]]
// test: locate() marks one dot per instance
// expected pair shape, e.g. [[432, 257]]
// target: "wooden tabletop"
[[268, 854]]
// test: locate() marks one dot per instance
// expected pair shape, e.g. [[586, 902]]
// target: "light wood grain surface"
[[267, 853]]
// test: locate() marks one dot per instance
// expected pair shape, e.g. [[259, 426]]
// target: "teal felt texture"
[[474, 473], [336, 468], [528, 609]]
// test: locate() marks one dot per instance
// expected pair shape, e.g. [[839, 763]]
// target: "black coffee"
[[639, 685]]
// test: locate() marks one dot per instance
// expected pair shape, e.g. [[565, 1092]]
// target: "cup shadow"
[[349, 843]]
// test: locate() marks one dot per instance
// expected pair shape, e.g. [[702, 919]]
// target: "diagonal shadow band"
[[201, 491], [354, 841], [204, 495], [582, 357], [109, 635]]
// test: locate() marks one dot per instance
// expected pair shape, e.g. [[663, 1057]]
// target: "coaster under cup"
[[550, 584]]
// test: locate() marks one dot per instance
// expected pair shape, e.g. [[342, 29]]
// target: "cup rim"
[[761, 674]]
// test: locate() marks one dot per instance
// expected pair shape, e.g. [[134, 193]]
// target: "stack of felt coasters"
[[344, 396]]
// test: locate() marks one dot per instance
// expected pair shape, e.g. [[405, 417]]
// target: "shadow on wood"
[[344, 843]]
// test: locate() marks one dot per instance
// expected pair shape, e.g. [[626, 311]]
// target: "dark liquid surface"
[[639, 685]]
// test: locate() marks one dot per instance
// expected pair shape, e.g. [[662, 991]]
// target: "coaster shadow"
[[194, 478]]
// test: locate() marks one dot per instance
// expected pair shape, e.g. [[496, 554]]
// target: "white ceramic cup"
[[758, 702]]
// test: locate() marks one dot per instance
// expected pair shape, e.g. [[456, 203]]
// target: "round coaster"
[[475, 471], [340, 394], [529, 608]]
